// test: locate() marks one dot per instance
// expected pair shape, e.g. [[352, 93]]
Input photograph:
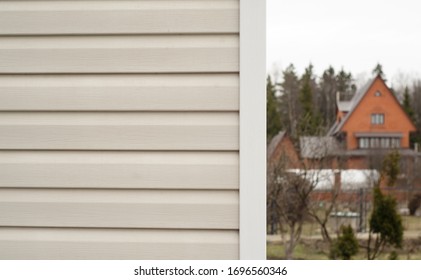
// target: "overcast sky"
[[354, 35]]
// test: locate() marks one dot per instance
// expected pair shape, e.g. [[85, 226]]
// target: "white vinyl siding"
[[119, 54], [176, 209], [119, 129], [119, 170], [118, 17], [124, 92], [90, 243]]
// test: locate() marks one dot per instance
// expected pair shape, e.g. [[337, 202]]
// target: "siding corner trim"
[[252, 130]]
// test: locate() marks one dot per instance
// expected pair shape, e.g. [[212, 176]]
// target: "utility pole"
[[361, 226]]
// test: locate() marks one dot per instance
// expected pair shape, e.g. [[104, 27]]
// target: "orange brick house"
[[370, 125], [373, 118], [367, 128]]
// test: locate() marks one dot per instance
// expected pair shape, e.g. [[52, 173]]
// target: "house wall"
[[119, 129], [284, 154], [357, 163], [395, 118]]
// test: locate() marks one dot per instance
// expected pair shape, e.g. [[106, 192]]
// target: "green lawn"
[[275, 251], [312, 248]]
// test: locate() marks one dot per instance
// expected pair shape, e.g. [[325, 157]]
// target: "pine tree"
[[416, 105], [345, 85], [378, 71], [407, 104], [385, 225], [310, 122], [407, 107], [273, 119], [345, 246], [327, 96], [290, 110], [390, 168]]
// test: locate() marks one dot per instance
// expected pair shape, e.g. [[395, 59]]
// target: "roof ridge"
[[355, 101]]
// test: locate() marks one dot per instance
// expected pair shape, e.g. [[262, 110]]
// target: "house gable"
[[377, 112], [281, 151]]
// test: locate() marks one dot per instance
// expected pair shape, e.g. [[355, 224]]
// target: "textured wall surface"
[[119, 129]]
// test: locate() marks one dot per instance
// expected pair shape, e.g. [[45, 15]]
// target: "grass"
[[275, 251], [312, 248], [412, 223]]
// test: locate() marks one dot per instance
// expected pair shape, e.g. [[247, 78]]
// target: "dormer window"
[[377, 93], [377, 119]]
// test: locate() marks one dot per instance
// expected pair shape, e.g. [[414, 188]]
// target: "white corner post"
[[252, 129]]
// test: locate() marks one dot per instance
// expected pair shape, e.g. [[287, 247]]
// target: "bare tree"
[[322, 167], [321, 212], [291, 198], [288, 195]]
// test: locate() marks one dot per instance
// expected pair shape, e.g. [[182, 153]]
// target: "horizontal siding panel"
[[107, 169], [119, 61], [119, 92], [122, 22], [112, 5], [118, 42], [123, 137], [181, 209], [117, 244], [119, 54], [119, 131]]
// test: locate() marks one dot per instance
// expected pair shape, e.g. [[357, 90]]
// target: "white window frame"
[[395, 142], [374, 142], [377, 119], [252, 129], [363, 143], [385, 142]]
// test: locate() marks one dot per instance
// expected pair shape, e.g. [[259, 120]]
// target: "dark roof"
[[274, 143], [333, 129], [318, 147], [368, 152], [353, 104], [379, 134]]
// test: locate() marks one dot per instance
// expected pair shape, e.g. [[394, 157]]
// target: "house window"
[[396, 142], [379, 142], [385, 142], [377, 118], [374, 142], [363, 143], [377, 93]]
